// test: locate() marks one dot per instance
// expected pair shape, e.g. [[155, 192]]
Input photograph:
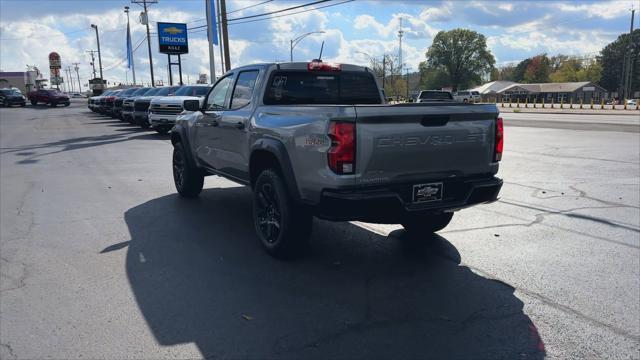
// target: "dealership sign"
[[172, 38], [54, 68]]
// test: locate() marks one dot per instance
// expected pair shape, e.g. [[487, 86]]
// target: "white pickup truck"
[[164, 110]]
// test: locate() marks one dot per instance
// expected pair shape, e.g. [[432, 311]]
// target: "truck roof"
[[297, 65]]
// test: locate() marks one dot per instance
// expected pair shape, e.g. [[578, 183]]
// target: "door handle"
[[239, 125]]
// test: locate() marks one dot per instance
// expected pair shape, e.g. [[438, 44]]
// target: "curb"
[[623, 112]]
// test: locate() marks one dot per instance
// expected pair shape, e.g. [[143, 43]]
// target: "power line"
[[248, 7], [48, 36], [293, 13], [111, 67], [278, 11]]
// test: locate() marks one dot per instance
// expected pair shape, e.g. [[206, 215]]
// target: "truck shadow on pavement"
[[199, 275]]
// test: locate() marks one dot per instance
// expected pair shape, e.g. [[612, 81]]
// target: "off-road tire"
[[272, 205], [187, 178], [428, 224]]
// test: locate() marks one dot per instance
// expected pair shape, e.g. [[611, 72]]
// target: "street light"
[[295, 41]]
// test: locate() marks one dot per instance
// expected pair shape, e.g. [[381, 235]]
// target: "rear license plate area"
[[427, 192]]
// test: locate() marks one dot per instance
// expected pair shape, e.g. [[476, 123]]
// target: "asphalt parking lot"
[[101, 259]]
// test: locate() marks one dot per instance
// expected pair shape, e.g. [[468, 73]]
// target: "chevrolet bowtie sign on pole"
[[172, 40]]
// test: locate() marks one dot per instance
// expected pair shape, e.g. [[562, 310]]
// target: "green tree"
[[538, 69], [611, 59], [520, 69], [567, 71], [463, 56], [504, 73], [591, 72], [432, 78]]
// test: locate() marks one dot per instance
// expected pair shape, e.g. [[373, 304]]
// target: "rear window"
[[435, 95], [306, 87], [475, 93]]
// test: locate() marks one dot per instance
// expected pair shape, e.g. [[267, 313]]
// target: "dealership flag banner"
[[129, 49], [214, 27]]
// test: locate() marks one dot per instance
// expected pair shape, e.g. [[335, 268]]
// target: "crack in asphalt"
[[20, 280], [569, 213], [12, 354], [564, 308], [572, 157], [581, 194]]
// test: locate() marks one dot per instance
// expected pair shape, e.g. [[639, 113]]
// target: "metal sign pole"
[[170, 75], [180, 69]]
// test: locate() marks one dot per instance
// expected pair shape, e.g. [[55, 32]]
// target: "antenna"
[[321, 48]]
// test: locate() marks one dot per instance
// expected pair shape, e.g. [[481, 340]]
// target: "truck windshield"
[[168, 90], [306, 87], [199, 91], [435, 95]]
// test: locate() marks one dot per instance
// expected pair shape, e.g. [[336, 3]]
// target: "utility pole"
[[99, 55], [68, 73], [78, 75], [407, 70], [145, 20], [220, 42], [400, 34], [93, 62], [133, 66], [225, 34], [211, 41], [629, 63]]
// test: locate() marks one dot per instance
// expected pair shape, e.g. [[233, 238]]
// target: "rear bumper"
[[393, 204]]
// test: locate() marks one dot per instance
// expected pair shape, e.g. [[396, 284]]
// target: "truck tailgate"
[[424, 141]]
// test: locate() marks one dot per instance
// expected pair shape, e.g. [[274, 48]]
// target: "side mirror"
[[192, 105]]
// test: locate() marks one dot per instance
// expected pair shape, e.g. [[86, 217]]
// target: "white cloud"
[[602, 9]]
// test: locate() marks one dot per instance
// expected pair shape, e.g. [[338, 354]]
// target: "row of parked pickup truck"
[[146, 106], [318, 140]]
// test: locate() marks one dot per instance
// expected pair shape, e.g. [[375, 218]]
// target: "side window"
[[243, 90], [215, 100]]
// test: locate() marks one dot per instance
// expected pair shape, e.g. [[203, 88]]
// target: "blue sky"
[[30, 29]]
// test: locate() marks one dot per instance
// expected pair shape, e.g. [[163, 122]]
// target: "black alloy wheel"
[[268, 213]]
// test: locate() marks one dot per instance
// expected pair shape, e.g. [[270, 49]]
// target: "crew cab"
[[163, 111], [51, 97], [116, 107], [317, 139], [141, 104], [127, 103]]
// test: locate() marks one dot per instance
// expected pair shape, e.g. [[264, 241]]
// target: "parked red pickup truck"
[[48, 96]]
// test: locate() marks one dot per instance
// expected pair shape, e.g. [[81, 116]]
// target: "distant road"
[[618, 123]]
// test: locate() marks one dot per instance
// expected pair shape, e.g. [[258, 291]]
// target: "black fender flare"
[[277, 148], [179, 134]]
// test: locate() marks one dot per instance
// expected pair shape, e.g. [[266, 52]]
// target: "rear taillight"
[[321, 66], [342, 154], [499, 139]]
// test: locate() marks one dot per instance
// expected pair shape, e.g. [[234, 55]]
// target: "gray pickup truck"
[[317, 139]]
